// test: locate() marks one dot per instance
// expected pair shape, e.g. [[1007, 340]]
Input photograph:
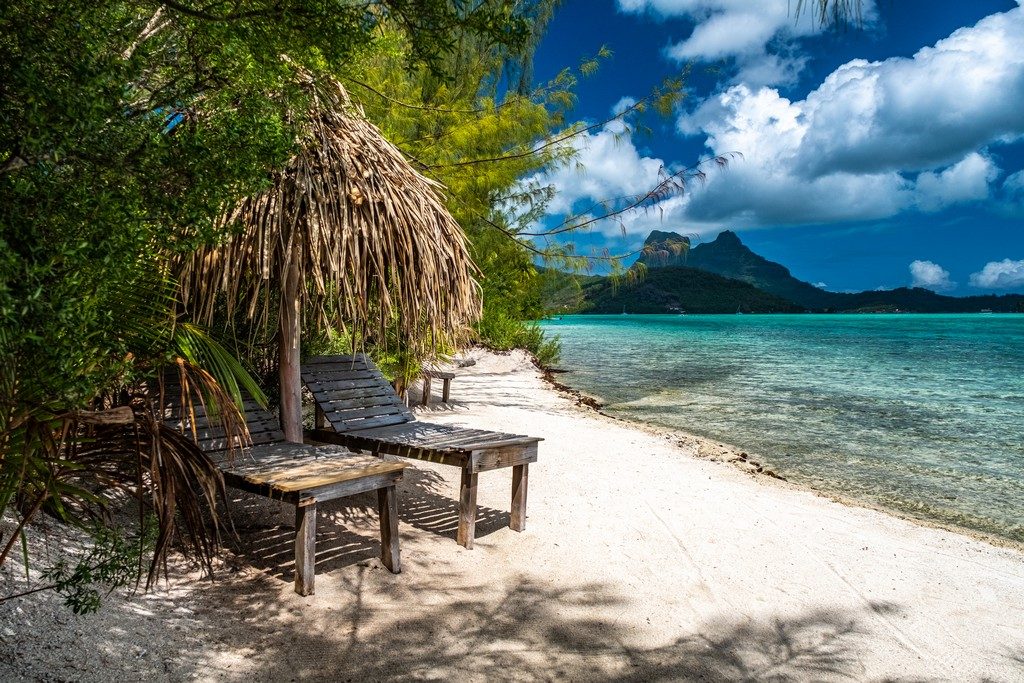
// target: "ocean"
[[922, 414]]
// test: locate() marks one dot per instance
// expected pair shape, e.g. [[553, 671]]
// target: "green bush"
[[502, 332]]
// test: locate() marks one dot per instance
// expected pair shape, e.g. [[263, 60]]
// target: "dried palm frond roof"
[[374, 241]]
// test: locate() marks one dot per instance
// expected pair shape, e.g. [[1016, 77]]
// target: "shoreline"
[[635, 564], [711, 450]]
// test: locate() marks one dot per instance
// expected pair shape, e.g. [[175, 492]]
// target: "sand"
[[640, 561]]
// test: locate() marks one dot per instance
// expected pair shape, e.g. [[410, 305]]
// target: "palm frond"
[[374, 240]]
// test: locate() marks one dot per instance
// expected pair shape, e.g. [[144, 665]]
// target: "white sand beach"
[[639, 561]]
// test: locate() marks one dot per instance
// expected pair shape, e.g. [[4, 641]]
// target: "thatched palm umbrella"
[[350, 233]]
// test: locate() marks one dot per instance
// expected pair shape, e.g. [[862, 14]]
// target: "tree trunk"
[[288, 350]]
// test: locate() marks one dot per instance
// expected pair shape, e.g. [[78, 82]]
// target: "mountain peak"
[[659, 236], [664, 249], [728, 238]]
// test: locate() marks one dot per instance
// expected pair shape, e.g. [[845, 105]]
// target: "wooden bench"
[[357, 408], [446, 380], [304, 476]]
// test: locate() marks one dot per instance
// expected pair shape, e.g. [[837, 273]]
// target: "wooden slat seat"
[[394, 430], [296, 473]]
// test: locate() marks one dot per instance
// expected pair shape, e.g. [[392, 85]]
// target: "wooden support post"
[[520, 474], [289, 331], [467, 509], [319, 419], [305, 548], [387, 505], [446, 390], [426, 389]]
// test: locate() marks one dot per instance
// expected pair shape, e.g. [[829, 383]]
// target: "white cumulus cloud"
[[610, 171], [930, 275], [967, 180], [874, 139], [607, 165], [741, 30], [999, 275]]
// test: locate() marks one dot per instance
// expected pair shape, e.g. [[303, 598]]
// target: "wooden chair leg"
[[305, 548], [426, 389], [387, 505], [520, 474], [319, 419], [467, 509], [446, 390]]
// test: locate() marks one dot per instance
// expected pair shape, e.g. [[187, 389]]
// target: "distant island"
[[725, 276]]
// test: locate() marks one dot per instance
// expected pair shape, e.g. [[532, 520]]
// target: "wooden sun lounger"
[[357, 408], [302, 475]]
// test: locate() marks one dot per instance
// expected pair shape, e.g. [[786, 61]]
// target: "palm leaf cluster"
[[370, 235]]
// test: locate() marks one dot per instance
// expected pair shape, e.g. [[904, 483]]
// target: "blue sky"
[[890, 153]]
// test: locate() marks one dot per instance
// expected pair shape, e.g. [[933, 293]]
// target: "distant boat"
[[738, 311], [986, 310]]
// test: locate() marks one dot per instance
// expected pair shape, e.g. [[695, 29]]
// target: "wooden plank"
[[374, 445], [220, 443], [497, 458], [174, 408], [520, 475], [387, 505], [206, 432], [343, 400], [204, 421], [500, 441], [351, 384], [330, 372], [392, 430], [353, 487], [333, 360], [343, 426], [446, 390], [467, 509], [305, 548], [287, 472], [462, 440], [260, 490], [347, 414], [439, 374]]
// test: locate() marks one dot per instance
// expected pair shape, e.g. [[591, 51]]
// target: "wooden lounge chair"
[[302, 475], [357, 408]]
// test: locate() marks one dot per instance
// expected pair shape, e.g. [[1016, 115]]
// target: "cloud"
[[609, 169], [967, 180], [607, 165], [999, 275], [1011, 200], [741, 30], [930, 275], [623, 104], [874, 139]]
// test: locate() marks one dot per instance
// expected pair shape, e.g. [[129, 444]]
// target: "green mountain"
[[563, 292], [729, 257], [675, 289]]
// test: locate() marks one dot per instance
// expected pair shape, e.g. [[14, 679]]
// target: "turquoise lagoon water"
[[919, 413]]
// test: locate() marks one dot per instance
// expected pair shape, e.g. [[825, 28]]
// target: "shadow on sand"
[[266, 532], [525, 631]]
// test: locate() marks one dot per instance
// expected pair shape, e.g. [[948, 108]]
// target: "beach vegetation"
[[125, 129]]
